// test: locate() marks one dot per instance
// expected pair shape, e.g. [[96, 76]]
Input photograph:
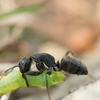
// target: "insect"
[[46, 62]]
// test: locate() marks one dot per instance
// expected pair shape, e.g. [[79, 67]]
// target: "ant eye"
[[21, 62]]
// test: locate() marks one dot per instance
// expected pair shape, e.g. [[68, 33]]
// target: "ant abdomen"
[[73, 66]]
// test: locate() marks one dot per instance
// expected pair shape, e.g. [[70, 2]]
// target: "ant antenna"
[[7, 71], [47, 86], [2, 75]]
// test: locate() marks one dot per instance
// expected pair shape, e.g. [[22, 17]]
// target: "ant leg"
[[49, 70], [56, 66], [24, 76], [31, 73], [40, 66], [70, 52], [35, 73], [47, 86]]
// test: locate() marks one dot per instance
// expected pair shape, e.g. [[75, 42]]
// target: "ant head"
[[25, 64]]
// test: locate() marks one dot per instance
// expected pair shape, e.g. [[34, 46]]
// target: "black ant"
[[47, 62]]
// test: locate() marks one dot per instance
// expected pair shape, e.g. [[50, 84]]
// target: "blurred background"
[[54, 27]]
